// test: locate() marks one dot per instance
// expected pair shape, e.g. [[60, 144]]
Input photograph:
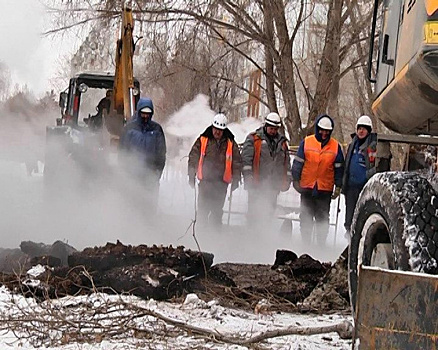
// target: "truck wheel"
[[395, 226]]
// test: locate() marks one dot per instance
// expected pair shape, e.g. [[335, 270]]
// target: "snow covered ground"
[[130, 323]]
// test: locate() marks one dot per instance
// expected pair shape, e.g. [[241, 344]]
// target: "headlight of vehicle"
[[83, 88]]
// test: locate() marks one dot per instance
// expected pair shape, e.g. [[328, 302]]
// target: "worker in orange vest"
[[317, 172], [215, 160], [266, 168]]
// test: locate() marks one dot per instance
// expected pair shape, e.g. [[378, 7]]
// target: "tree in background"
[[209, 46], [5, 81]]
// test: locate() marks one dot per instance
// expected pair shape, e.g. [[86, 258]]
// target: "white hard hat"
[[273, 119], [325, 123], [364, 121], [220, 121]]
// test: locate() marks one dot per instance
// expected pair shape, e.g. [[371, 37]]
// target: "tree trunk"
[[283, 61], [333, 103], [286, 78], [365, 101], [269, 62], [333, 108], [328, 64]]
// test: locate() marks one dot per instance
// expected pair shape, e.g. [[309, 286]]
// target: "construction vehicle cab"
[[405, 63], [76, 138], [79, 101]]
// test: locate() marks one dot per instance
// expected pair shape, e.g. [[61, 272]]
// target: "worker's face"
[[271, 130], [362, 132], [146, 116], [217, 133], [325, 134]]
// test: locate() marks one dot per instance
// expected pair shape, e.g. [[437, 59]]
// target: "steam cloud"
[[91, 205]]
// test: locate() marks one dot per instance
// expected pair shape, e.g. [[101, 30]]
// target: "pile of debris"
[[293, 283], [31, 253]]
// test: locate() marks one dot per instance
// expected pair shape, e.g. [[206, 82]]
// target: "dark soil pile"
[[165, 273]]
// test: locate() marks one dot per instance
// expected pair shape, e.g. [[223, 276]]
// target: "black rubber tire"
[[401, 209]]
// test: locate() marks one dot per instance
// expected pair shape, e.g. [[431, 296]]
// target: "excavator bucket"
[[396, 310]]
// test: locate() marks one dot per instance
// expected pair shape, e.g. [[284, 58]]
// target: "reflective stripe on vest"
[[319, 166], [256, 162], [228, 173]]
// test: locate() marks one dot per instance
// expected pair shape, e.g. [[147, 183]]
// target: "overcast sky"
[[32, 58]]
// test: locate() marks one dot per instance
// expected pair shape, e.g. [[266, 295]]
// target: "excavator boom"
[[124, 75], [70, 139], [123, 104]]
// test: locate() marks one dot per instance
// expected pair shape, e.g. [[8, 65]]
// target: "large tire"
[[398, 212]]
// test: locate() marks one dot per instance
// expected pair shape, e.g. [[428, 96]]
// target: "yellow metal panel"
[[431, 32], [396, 310]]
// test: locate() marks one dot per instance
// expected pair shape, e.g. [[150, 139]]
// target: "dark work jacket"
[[145, 141], [214, 161], [368, 150], [274, 160]]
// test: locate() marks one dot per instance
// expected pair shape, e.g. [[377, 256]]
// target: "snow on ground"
[[194, 312]]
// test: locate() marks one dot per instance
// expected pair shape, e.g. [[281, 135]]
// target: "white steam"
[[98, 202], [185, 126]]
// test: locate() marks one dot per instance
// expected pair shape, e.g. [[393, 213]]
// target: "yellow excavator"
[[393, 253], [75, 138]]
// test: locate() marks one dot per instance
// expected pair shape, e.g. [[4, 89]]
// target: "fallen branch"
[[96, 317], [344, 330]]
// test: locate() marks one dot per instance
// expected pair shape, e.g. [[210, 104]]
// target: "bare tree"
[[263, 33], [5, 81]]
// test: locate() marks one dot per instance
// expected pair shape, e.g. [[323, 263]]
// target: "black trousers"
[[211, 200], [315, 216], [351, 197]]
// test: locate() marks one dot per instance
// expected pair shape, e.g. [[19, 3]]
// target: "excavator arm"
[[123, 102]]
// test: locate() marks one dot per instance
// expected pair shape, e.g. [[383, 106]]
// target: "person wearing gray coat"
[[266, 168]]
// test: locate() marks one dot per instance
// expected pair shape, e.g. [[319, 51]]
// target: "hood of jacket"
[[317, 128], [142, 103]]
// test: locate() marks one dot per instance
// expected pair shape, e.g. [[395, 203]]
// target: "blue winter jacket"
[[298, 163], [145, 139]]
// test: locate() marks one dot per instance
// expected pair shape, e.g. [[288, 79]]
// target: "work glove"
[[296, 185], [192, 181], [336, 192], [234, 185]]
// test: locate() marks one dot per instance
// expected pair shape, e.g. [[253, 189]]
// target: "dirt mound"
[[164, 273]]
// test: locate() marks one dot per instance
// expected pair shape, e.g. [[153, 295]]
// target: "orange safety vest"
[[319, 164], [256, 162], [228, 173]]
